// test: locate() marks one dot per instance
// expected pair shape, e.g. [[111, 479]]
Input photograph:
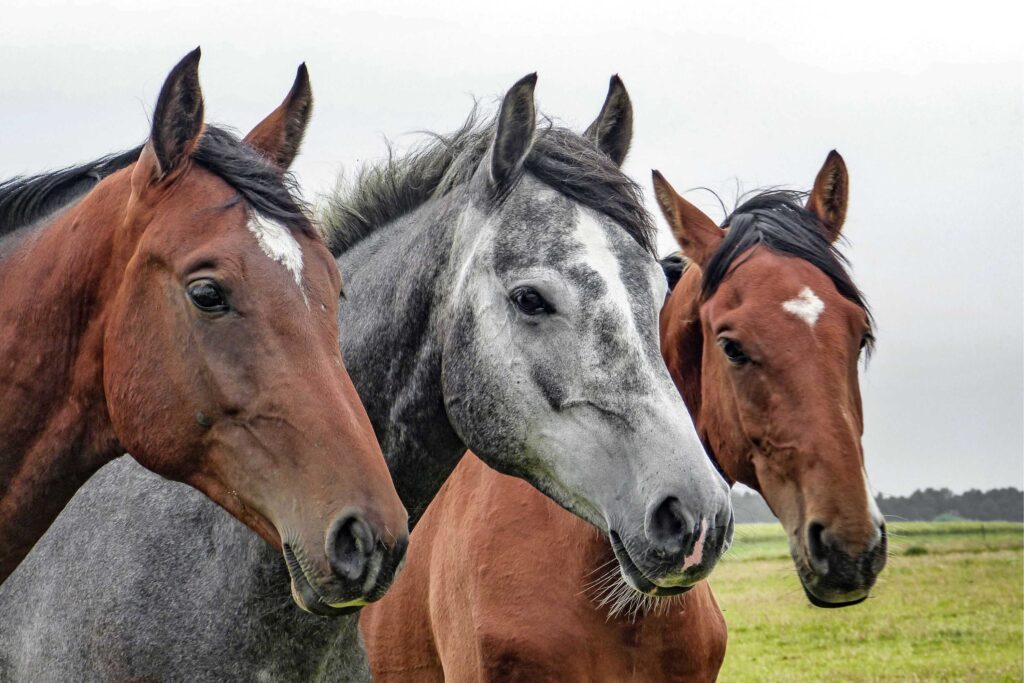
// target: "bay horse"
[[501, 294], [762, 335], [176, 302]]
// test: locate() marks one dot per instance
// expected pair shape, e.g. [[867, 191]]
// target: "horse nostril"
[[669, 527], [817, 547], [725, 523], [877, 556], [350, 544]]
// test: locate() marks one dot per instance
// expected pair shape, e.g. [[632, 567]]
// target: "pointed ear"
[[177, 121], [698, 236], [279, 136], [612, 130], [513, 139], [831, 192]]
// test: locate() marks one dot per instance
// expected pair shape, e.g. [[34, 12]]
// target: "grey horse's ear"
[[612, 130], [517, 122]]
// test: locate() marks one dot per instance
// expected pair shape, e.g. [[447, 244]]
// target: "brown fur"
[[495, 585], [102, 352]]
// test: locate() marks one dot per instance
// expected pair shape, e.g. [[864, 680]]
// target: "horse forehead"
[[787, 283], [542, 227], [277, 243], [606, 249], [771, 295], [535, 228]]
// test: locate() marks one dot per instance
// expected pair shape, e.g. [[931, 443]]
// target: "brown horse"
[[183, 309], [762, 335]]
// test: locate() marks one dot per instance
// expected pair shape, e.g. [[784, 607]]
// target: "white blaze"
[[277, 242], [599, 256], [806, 306]]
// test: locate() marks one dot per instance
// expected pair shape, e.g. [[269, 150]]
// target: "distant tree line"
[[1006, 504]]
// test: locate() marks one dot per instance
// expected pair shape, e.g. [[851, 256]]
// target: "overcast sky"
[[927, 109]]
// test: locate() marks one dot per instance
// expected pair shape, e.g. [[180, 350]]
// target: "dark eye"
[[733, 351], [207, 296], [529, 301], [866, 340]]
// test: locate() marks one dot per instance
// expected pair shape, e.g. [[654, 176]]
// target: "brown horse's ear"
[[279, 136], [698, 236], [612, 130], [177, 123], [830, 194], [513, 139]]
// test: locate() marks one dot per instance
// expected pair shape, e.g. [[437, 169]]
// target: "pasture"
[[948, 607]]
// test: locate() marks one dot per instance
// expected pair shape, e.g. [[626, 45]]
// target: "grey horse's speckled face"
[[552, 372], [523, 324]]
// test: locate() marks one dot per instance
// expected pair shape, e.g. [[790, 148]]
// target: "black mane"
[[560, 158], [778, 220], [25, 200]]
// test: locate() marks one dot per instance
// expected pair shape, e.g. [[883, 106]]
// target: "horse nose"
[[818, 548], [830, 559], [669, 527], [350, 545], [877, 555], [725, 525]]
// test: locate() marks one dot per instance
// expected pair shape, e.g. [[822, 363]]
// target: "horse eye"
[[733, 351], [529, 301], [206, 295]]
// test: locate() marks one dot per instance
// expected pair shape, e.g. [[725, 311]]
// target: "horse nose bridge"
[[837, 496]]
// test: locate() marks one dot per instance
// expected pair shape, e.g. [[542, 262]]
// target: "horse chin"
[[307, 598], [835, 601], [634, 576]]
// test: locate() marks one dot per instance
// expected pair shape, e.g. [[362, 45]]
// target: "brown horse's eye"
[[529, 301], [733, 351], [206, 295]]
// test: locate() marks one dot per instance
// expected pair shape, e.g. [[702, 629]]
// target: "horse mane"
[[674, 266], [27, 199], [778, 220], [560, 158], [273, 195]]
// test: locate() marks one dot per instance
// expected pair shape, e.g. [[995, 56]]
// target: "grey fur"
[[577, 402], [143, 578]]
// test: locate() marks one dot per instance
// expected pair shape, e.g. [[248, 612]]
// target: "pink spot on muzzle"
[[694, 558]]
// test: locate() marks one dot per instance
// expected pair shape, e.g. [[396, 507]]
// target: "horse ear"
[[513, 139], [698, 236], [831, 192], [177, 121], [612, 130], [279, 136]]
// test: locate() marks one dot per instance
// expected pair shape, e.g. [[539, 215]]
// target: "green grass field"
[[948, 607]]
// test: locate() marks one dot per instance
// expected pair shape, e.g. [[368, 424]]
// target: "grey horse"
[[500, 294]]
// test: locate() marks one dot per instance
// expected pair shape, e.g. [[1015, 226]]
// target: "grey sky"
[[926, 108]]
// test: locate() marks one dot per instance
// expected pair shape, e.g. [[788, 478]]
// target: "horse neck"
[[396, 281], [54, 427]]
